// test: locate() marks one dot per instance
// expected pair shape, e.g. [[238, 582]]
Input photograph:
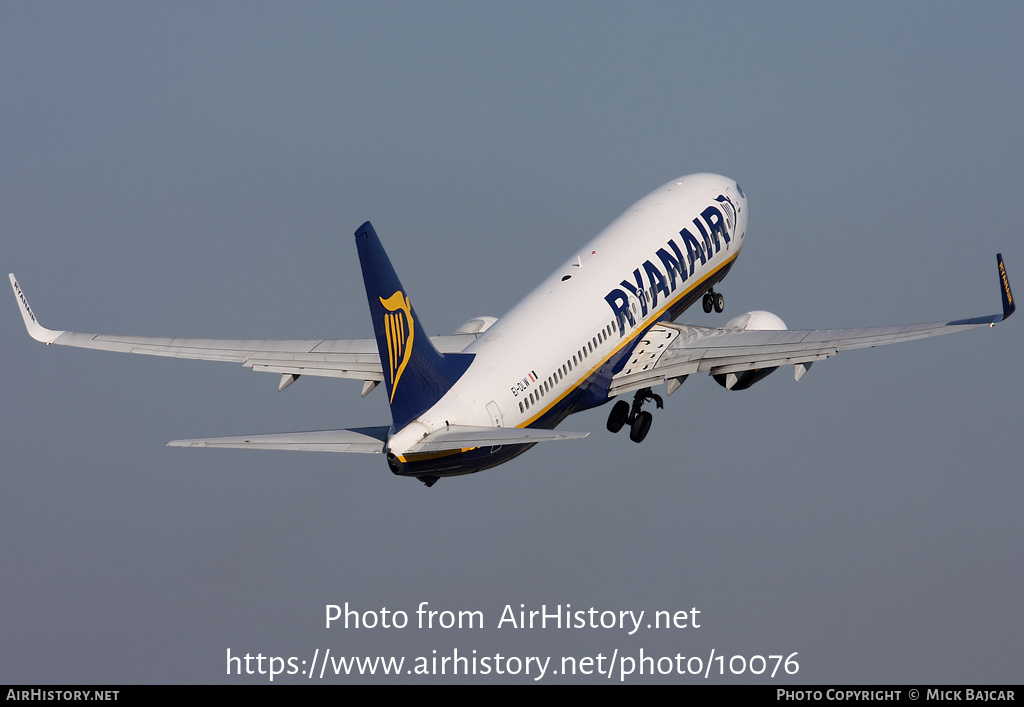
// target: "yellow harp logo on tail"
[[398, 329]]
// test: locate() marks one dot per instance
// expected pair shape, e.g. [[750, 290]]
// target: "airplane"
[[602, 325]]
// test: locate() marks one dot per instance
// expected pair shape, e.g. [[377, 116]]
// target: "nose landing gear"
[[639, 420]]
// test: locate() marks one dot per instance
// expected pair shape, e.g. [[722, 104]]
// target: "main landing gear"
[[713, 300], [639, 420]]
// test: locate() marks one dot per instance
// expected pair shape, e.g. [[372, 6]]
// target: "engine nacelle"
[[757, 321], [476, 325], [751, 321]]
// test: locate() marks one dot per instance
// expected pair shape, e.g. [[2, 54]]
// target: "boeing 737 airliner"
[[487, 392]]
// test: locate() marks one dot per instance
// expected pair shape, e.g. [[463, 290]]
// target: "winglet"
[[1004, 288], [36, 330]]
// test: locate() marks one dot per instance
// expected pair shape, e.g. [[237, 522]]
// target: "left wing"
[[669, 351], [337, 358]]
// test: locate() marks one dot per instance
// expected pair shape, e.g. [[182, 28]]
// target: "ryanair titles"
[[679, 258], [24, 302]]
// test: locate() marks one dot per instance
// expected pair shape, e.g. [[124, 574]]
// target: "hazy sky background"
[[198, 169]]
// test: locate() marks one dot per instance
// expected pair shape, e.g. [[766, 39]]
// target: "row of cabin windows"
[[566, 367], [578, 357]]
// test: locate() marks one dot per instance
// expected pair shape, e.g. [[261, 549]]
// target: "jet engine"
[[477, 325], [751, 321]]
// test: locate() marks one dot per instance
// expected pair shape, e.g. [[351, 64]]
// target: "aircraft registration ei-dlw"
[[487, 392]]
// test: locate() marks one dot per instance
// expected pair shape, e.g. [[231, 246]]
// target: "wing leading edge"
[[337, 358], [668, 351]]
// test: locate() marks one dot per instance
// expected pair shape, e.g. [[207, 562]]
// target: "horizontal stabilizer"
[[363, 440], [464, 436]]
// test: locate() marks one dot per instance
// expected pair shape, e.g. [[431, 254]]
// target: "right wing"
[[671, 351], [336, 358]]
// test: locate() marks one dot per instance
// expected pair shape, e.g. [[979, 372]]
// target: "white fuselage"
[[552, 352]]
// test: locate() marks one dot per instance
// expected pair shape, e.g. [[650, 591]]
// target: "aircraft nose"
[[741, 217]]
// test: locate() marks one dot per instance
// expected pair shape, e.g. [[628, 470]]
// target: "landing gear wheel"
[[638, 430], [708, 304], [719, 302], [618, 416]]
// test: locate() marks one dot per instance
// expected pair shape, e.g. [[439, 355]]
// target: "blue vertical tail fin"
[[416, 374]]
